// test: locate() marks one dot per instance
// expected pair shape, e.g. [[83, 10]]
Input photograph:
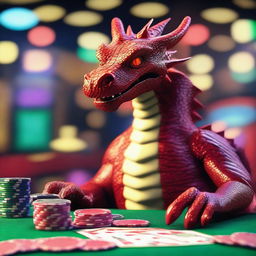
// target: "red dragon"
[[162, 160]]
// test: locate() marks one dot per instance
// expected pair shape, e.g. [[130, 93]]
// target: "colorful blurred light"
[[103, 5], [33, 97], [243, 30], [232, 133], [9, 52], [78, 176], [92, 40], [219, 15], [49, 13], [234, 116], [246, 4], [200, 64], [221, 43], [149, 10], [96, 119], [37, 60], [203, 82], [32, 129], [83, 18], [241, 62], [218, 126], [18, 18], [87, 55], [246, 77], [41, 36], [67, 140], [197, 34]]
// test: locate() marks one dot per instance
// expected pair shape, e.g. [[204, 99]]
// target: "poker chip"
[[26, 245], [14, 197], [64, 243], [117, 216], [244, 239], [131, 223], [92, 218], [9, 247], [52, 214], [98, 245], [223, 239], [37, 196]]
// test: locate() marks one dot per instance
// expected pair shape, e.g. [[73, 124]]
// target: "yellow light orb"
[[9, 52], [246, 4], [203, 82], [219, 15], [49, 13], [83, 18], [92, 40], [103, 5], [221, 43], [149, 10], [243, 30], [241, 62], [200, 64], [68, 140]]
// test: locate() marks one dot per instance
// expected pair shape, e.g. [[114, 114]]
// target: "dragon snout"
[[105, 80], [92, 87]]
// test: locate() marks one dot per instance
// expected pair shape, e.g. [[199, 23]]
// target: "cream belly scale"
[[141, 179]]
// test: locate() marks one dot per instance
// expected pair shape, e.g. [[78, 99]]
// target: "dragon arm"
[[222, 164], [99, 189]]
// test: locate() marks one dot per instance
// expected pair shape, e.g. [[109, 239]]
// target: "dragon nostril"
[[106, 80]]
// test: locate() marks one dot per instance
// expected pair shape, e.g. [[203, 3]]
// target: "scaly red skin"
[[198, 168]]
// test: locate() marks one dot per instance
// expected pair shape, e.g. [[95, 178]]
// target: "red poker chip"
[[98, 245], [27, 245], [244, 239], [63, 243], [9, 247], [131, 223], [223, 239], [92, 211]]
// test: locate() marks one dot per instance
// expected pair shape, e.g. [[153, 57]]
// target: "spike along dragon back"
[[162, 161]]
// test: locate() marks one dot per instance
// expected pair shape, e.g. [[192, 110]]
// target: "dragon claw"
[[200, 209]]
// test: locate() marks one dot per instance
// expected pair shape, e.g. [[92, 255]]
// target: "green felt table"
[[24, 228]]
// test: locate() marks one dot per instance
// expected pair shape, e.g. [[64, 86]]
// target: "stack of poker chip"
[[14, 197], [92, 218], [52, 214]]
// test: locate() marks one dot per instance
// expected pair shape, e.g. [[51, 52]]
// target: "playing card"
[[147, 237]]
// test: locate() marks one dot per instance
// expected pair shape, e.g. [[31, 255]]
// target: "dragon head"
[[132, 64]]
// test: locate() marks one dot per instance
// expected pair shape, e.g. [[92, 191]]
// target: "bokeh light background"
[[49, 130]]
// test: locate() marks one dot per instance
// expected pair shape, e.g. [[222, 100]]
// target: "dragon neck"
[[171, 105]]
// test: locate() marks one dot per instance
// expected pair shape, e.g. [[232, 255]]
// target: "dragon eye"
[[136, 62]]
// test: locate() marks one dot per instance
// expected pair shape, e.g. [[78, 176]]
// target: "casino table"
[[23, 228]]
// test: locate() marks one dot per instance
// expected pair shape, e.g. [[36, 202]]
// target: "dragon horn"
[[129, 32], [157, 29], [173, 62], [144, 31], [117, 29], [171, 39]]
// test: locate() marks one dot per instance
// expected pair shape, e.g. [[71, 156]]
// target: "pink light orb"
[[197, 34], [41, 36]]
